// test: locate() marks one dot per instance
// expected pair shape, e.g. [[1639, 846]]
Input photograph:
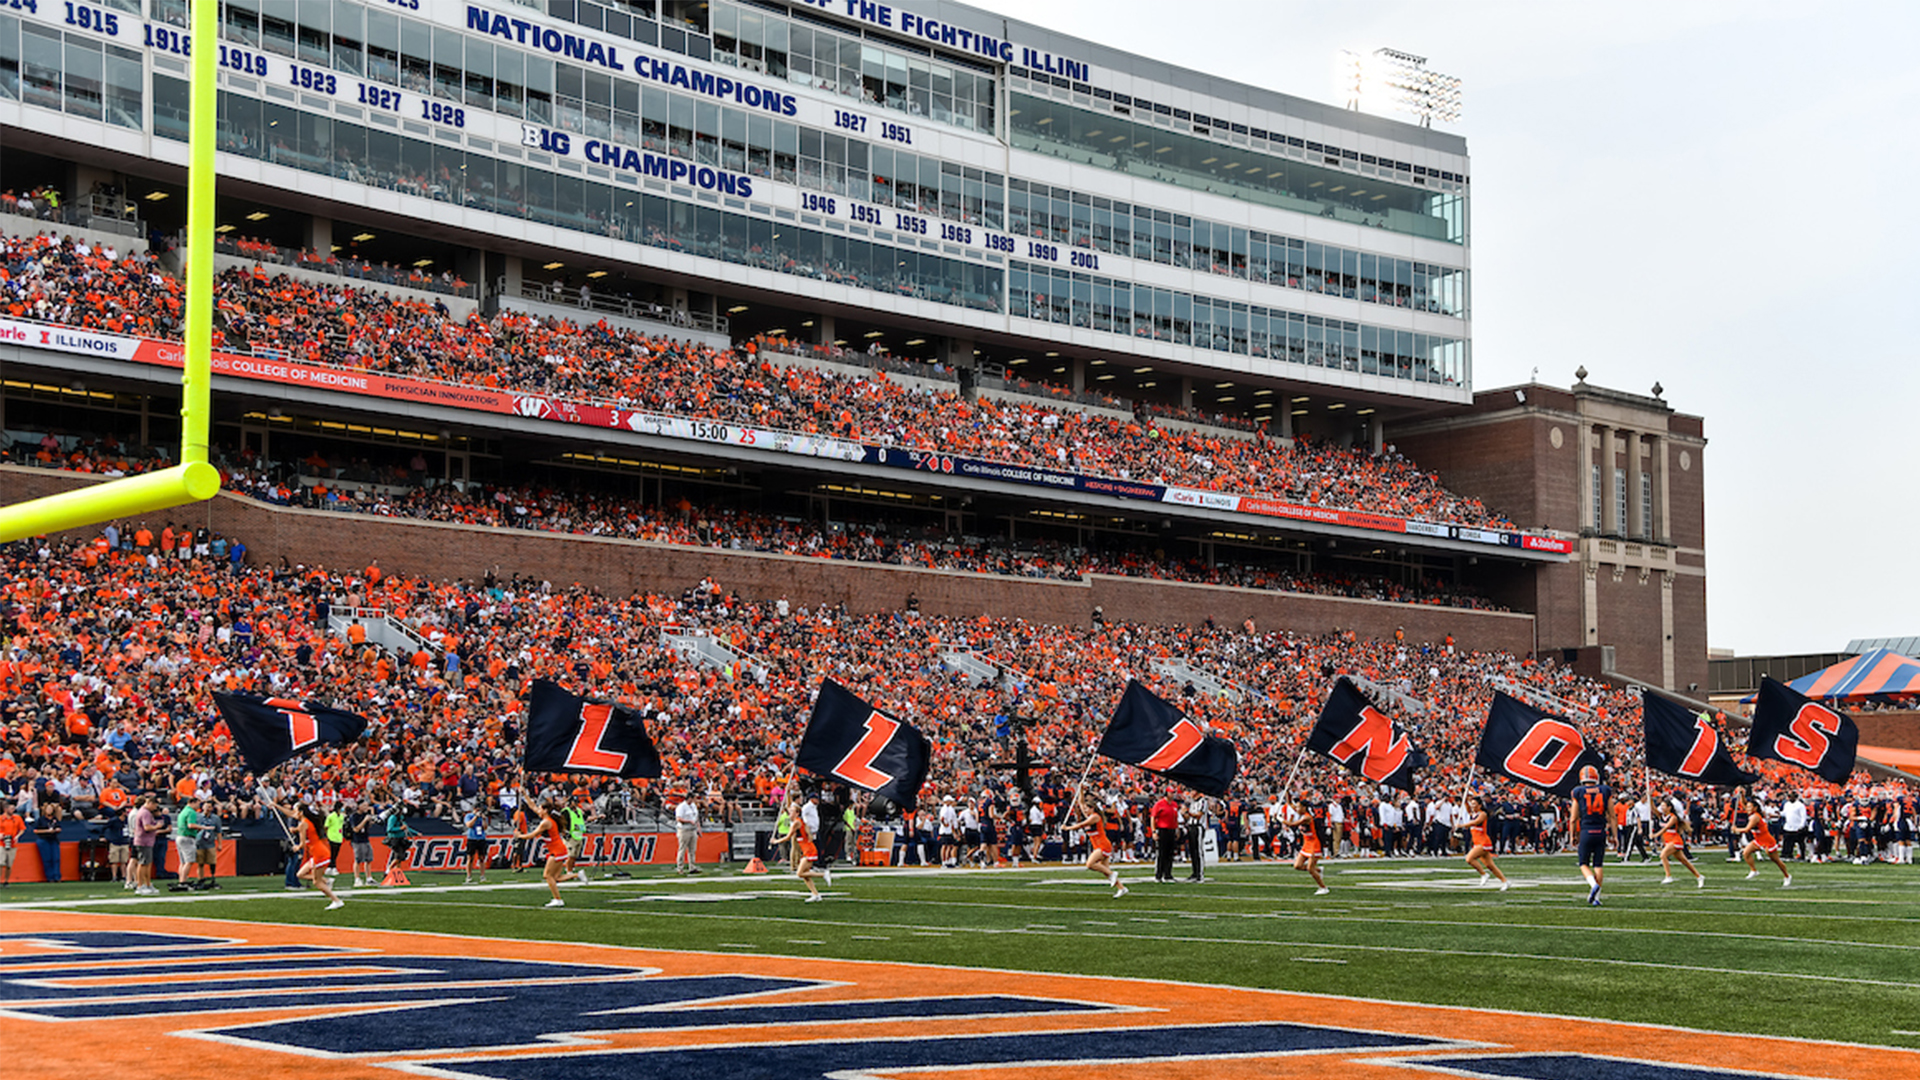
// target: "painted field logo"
[[147, 997]]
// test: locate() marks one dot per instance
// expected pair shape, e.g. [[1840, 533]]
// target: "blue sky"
[[1715, 196]]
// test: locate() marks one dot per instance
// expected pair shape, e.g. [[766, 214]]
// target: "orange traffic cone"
[[755, 866]]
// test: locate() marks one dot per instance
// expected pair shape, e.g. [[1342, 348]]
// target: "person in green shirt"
[[576, 842], [336, 830], [186, 838]]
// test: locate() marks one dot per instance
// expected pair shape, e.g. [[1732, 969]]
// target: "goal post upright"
[[194, 479]]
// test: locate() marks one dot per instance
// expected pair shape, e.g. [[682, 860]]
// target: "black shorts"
[[1593, 849], [476, 848], [972, 837]]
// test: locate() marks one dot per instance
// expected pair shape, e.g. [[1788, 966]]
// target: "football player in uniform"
[[1592, 811]]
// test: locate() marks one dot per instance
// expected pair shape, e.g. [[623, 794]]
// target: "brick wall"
[[1900, 730], [620, 566]]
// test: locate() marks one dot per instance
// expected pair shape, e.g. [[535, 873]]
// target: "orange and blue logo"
[[87, 995]]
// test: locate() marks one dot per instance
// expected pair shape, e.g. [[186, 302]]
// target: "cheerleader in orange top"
[[319, 853], [1099, 848], [1297, 818], [1480, 850], [550, 830], [1760, 838], [805, 854], [1673, 845]]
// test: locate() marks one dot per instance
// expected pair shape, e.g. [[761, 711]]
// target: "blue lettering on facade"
[[669, 169], [545, 38]]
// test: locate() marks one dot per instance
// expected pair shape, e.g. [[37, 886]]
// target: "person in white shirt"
[[686, 821], [1337, 826], [1794, 825], [1390, 823], [949, 829]]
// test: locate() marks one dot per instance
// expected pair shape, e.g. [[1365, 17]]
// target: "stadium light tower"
[[1388, 80]]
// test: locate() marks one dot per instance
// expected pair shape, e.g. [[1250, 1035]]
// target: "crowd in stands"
[[64, 281], [112, 645], [397, 490], [268, 254]]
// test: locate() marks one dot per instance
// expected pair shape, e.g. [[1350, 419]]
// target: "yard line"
[[803, 941], [1339, 915], [1316, 960], [871, 937], [659, 913]]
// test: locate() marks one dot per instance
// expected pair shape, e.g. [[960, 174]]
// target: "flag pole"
[[1287, 791], [1468, 786], [1084, 773]]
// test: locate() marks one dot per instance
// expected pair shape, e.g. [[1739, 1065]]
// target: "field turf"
[[1836, 957]]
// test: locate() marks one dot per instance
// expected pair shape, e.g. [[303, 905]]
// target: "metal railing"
[[1204, 681], [586, 299], [349, 268]]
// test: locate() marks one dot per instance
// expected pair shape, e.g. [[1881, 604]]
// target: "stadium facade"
[[981, 203]]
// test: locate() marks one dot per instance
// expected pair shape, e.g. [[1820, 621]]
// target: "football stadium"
[[828, 538]]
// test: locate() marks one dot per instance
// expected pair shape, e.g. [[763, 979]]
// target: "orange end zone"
[[57, 1022]]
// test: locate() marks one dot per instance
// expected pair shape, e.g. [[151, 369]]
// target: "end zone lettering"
[[672, 170]]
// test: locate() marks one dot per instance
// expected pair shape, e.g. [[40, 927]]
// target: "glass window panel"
[[124, 78]]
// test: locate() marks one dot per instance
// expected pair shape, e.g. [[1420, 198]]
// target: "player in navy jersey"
[[1592, 811]]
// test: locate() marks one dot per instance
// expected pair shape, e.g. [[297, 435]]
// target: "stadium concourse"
[[114, 646]]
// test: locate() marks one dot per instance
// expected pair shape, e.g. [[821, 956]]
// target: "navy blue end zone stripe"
[[507, 1016], [113, 941], [1574, 1067], [421, 974], [160, 957], [810, 1060]]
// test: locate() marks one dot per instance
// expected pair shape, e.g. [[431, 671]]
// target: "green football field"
[[1837, 956]]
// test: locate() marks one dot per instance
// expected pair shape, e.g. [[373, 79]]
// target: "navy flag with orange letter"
[[1791, 727], [1151, 734], [857, 744], [1681, 743], [1353, 732], [1534, 747], [567, 733], [268, 731]]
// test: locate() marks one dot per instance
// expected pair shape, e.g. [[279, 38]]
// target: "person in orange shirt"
[[1480, 848], [1099, 847], [1295, 816], [550, 831], [11, 826], [313, 840], [1760, 838]]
